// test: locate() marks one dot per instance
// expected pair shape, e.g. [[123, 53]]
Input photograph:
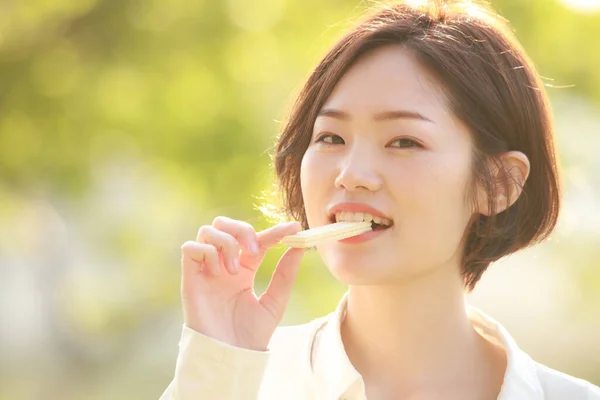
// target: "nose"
[[359, 171]]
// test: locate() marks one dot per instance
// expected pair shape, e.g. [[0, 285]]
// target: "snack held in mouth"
[[327, 233], [414, 148]]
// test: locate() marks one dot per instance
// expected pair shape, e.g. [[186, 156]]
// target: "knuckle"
[[247, 231], [249, 228], [219, 221], [230, 242], [187, 246], [211, 251], [202, 232]]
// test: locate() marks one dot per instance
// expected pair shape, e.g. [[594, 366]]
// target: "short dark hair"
[[491, 85]]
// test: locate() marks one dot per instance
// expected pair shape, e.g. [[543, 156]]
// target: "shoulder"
[[525, 378], [558, 385]]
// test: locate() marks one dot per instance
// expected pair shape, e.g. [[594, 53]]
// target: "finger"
[[226, 244], [242, 231], [277, 295], [273, 235], [194, 255]]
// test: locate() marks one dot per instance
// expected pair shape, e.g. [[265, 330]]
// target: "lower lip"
[[363, 237]]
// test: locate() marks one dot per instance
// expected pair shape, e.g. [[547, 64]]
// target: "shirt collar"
[[335, 375], [520, 379]]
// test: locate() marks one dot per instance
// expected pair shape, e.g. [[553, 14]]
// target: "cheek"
[[306, 175], [314, 183], [436, 187]]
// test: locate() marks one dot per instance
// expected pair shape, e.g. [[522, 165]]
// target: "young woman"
[[429, 120]]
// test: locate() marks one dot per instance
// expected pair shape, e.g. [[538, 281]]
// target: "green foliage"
[[125, 125]]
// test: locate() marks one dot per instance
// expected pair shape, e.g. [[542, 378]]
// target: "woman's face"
[[386, 143]]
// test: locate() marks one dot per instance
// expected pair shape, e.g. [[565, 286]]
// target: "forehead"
[[389, 77]]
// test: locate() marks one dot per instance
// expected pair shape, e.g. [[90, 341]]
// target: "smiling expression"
[[386, 143]]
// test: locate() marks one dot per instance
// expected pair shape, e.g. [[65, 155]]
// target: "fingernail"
[[235, 266], [254, 248]]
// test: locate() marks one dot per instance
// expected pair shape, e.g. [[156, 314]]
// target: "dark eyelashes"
[[411, 143], [328, 135]]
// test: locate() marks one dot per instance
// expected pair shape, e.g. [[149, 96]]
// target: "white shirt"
[[308, 362]]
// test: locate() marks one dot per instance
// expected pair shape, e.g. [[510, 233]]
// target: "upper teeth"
[[347, 216]]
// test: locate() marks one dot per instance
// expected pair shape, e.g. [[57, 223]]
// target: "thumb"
[[277, 295]]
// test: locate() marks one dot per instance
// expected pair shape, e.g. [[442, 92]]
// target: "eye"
[[330, 138], [405, 143]]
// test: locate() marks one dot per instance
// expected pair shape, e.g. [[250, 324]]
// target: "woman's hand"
[[217, 282]]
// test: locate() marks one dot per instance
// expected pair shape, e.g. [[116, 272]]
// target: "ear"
[[509, 171]]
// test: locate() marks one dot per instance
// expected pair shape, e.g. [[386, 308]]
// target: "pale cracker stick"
[[325, 236], [327, 233]]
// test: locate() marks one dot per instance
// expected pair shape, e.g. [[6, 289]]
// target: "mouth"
[[377, 223]]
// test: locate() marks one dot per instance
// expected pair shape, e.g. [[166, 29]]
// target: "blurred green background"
[[125, 125]]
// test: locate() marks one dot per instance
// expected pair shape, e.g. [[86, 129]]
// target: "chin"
[[354, 271], [365, 269]]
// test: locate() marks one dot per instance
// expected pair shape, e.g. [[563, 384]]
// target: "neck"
[[414, 334]]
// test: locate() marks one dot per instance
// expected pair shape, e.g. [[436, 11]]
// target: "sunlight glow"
[[582, 5]]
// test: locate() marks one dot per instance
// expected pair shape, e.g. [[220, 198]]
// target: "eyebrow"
[[381, 116]]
